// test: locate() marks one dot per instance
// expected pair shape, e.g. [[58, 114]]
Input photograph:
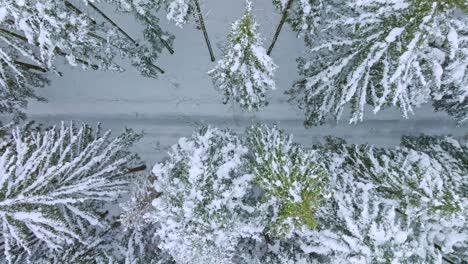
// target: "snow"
[[167, 108], [3, 13], [452, 38], [177, 11], [394, 33]]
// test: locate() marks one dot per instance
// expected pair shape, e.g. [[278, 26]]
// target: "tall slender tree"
[[245, 72]]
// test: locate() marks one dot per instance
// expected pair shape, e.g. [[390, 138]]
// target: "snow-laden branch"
[[50, 181]]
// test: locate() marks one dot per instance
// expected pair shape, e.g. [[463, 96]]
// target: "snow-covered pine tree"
[[424, 179], [94, 250], [416, 215], [128, 238], [357, 226], [397, 53], [202, 210], [354, 226], [292, 179], [245, 72], [143, 57], [34, 34], [451, 157], [181, 11], [53, 184], [348, 220]]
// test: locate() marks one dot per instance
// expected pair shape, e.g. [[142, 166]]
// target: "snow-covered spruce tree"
[[381, 220], [202, 210], [245, 72], [425, 180], [293, 184], [219, 191], [33, 34], [357, 226], [127, 239], [53, 184], [398, 53], [292, 179], [181, 11]]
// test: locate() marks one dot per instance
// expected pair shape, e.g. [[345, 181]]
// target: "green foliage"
[[290, 177]]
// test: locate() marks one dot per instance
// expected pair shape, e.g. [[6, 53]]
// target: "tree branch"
[[56, 50], [30, 66], [136, 169]]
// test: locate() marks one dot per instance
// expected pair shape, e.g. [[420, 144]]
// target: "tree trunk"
[[78, 11], [164, 42], [13, 34], [202, 25], [30, 66], [113, 23], [280, 26], [136, 169], [158, 69]]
